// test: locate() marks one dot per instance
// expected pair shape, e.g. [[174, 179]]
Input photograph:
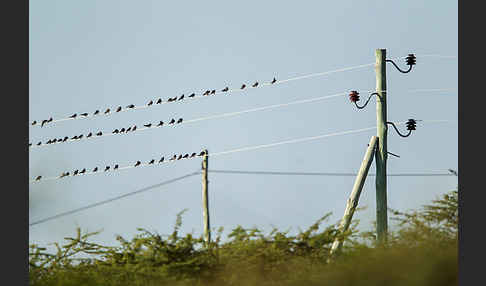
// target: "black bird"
[[150, 103], [84, 114], [186, 156], [129, 128], [49, 141], [213, 91], [99, 133], [74, 137], [138, 163], [75, 172], [40, 143], [119, 109], [89, 135], [274, 81], [30, 144], [179, 121], [50, 120], [122, 130], [243, 86], [65, 139], [160, 123], [80, 136], [107, 168], [172, 121], [83, 171], [169, 99], [43, 122], [134, 127], [95, 169], [115, 131], [59, 140], [73, 116], [173, 157], [96, 112], [182, 97], [206, 92], [161, 160], [202, 153], [54, 140], [192, 94], [116, 167], [148, 125], [193, 155], [180, 157], [159, 101], [152, 161], [225, 89], [131, 106], [34, 122], [38, 178], [107, 111], [255, 84]]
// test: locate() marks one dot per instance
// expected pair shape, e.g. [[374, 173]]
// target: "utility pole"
[[205, 201], [381, 152], [352, 203]]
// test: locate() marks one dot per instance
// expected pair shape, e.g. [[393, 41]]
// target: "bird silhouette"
[[38, 178], [193, 155], [59, 140], [122, 130], [131, 106], [255, 84], [243, 86], [192, 95], [65, 139], [30, 144], [107, 111], [170, 99], [119, 109], [202, 153], [129, 128], [115, 131], [50, 120], [225, 89], [152, 161], [54, 140], [49, 141], [99, 133], [159, 101], [180, 157], [75, 172], [161, 160], [84, 114], [148, 125], [116, 167], [74, 138], [213, 91], [73, 116], [274, 81], [150, 103], [40, 143], [89, 135], [138, 163], [179, 121], [172, 121], [182, 97], [43, 122], [34, 122], [83, 171], [95, 169], [186, 156], [96, 112], [173, 157], [80, 136], [160, 123], [134, 127], [206, 92], [107, 168]]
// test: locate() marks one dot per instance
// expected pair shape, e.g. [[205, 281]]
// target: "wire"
[[322, 174], [114, 199]]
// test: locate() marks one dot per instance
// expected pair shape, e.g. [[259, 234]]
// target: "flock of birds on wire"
[[138, 163]]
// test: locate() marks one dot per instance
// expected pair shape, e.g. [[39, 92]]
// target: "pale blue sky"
[[88, 55]]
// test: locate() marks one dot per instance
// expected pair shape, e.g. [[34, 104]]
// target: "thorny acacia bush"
[[423, 251]]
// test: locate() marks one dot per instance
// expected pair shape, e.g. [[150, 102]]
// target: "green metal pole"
[[381, 151]]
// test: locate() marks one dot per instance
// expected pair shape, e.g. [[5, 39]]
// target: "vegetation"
[[423, 251]]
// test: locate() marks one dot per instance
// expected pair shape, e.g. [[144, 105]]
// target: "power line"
[[114, 199], [324, 174]]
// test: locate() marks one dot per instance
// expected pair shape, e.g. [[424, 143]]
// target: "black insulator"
[[411, 124], [411, 59], [353, 96]]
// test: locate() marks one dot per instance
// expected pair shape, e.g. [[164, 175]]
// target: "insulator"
[[411, 59], [353, 96]]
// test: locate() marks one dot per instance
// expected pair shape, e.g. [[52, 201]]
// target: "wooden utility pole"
[[355, 193], [205, 201], [381, 152]]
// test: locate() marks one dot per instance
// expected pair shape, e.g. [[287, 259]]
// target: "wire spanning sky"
[[85, 55]]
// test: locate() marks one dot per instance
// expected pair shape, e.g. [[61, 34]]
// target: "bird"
[[63, 175], [243, 86], [150, 103], [115, 131], [73, 116], [131, 106], [38, 178], [134, 127], [180, 157], [148, 125], [34, 122], [138, 163], [84, 114], [74, 137], [83, 171], [49, 141], [182, 97], [119, 109], [65, 139], [179, 121], [169, 99], [160, 123], [43, 122], [122, 130], [96, 112], [129, 128], [225, 89], [192, 94], [159, 101], [95, 169], [80, 136], [152, 161], [107, 111], [193, 155], [186, 156], [30, 144], [173, 157], [89, 135], [75, 172], [202, 153], [116, 167], [172, 121], [161, 159], [213, 91], [255, 84], [453, 172], [206, 92], [40, 143], [54, 140], [59, 140], [99, 133], [107, 168], [50, 120], [274, 81]]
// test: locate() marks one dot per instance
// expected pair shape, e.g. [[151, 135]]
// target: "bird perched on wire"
[[80, 136], [73, 116], [160, 123], [115, 131], [38, 178], [75, 172], [89, 135], [193, 155], [96, 112], [185, 156], [148, 125], [192, 94], [159, 101], [179, 121], [130, 106], [202, 153], [172, 121], [95, 169], [243, 86], [173, 157], [83, 171], [107, 168], [84, 114], [99, 133], [64, 174], [180, 157], [129, 128], [34, 122], [182, 97], [138, 163], [213, 91], [150, 103], [122, 130], [255, 84], [116, 167], [161, 159], [274, 81], [44, 122], [225, 89], [134, 127], [107, 111], [152, 161], [119, 109], [40, 143], [206, 92], [54, 140]]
